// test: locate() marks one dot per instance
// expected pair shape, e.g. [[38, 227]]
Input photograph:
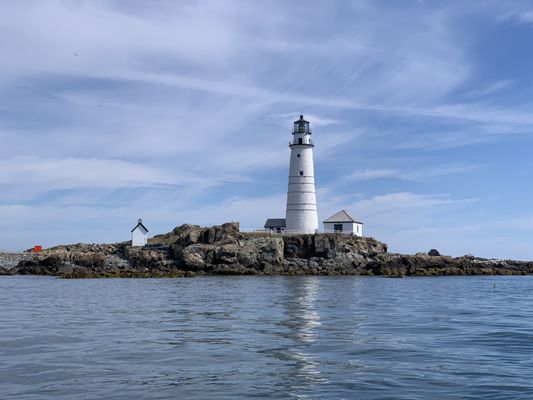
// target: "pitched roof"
[[342, 216], [275, 223], [140, 224]]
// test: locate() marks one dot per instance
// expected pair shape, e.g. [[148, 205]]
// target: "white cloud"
[[69, 173], [315, 120], [402, 202], [367, 174], [118, 40], [491, 88], [518, 12], [408, 174], [392, 211]]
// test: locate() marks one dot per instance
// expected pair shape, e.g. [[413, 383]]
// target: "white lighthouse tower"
[[301, 214]]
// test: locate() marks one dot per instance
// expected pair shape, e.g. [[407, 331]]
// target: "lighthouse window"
[[297, 155], [301, 173], [299, 140]]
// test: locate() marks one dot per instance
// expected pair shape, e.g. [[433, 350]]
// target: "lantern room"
[[301, 126]]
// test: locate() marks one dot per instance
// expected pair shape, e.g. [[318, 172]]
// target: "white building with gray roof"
[[343, 222], [139, 234]]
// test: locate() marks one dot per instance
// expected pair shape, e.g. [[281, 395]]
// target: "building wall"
[[139, 238], [305, 136], [301, 211], [347, 227], [275, 229]]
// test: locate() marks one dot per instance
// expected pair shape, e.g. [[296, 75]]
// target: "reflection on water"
[[300, 303], [275, 337], [301, 321]]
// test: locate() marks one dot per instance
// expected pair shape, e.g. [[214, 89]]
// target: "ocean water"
[[267, 337]]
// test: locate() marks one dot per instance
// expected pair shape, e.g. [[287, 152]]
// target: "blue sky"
[[181, 112]]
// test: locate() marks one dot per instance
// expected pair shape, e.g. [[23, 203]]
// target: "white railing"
[[287, 232]]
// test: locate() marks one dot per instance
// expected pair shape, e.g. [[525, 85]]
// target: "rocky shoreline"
[[190, 250]]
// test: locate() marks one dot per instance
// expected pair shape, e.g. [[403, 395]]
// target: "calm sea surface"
[[275, 337]]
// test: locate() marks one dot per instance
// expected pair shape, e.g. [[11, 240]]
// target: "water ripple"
[[276, 338]]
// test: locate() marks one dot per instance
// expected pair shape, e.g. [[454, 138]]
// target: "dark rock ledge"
[[190, 250]]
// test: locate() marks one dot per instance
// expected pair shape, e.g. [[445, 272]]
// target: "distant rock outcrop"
[[433, 253], [426, 265], [191, 250], [9, 262]]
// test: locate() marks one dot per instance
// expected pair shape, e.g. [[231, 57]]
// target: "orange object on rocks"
[[38, 248]]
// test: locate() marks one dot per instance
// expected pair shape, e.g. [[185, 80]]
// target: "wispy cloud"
[[404, 201], [491, 88], [519, 12], [312, 118], [73, 173], [408, 174]]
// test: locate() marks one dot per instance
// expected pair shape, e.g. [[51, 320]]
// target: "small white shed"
[[343, 222], [139, 234]]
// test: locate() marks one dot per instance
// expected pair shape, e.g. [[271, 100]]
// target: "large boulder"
[[347, 247], [186, 234], [254, 251], [193, 261], [433, 253]]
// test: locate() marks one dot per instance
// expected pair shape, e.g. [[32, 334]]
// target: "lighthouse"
[[301, 212]]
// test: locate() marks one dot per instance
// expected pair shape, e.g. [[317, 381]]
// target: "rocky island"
[[190, 250]]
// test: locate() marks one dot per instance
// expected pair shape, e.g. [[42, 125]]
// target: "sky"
[[181, 112]]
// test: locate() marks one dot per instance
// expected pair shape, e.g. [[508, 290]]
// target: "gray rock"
[[193, 260], [9, 261]]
